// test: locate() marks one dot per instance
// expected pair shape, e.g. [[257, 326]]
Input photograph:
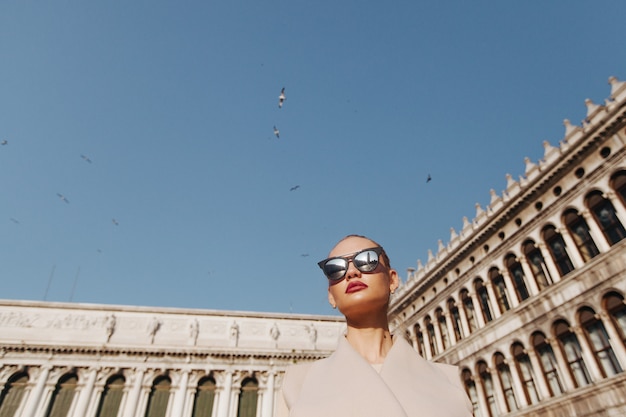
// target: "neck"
[[373, 343]]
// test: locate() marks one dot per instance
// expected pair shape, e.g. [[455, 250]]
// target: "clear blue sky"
[[174, 103]]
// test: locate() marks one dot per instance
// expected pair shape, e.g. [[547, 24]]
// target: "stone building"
[[78, 360], [528, 297]]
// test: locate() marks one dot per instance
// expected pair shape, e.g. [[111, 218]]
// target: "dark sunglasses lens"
[[366, 261], [335, 269]]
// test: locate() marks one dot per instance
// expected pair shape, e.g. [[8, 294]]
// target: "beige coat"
[[345, 384]]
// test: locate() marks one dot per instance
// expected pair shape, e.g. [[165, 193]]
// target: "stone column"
[[620, 211], [85, 394], [588, 355], [223, 391], [518, 387], [426, 336], [478, 310], [562, 364], [482, 398], [268, 396], [413, 338], [542, 384], [181, 394], [573, 253], [596, 233], [533, 288], [614, 338], [510, 287], [465, 327], [450, 325], [34, 399], [134, 394], [547, 258], [498, 391], [495, 305], [438, 337]]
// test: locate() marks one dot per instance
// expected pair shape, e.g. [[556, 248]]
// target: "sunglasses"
[[365, 260]]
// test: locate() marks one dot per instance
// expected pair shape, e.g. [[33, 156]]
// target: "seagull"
[[281, 98], [277, 132], [304, 255], [428, 179], [294, 188], [86, 158], [115, 222], [15, 220], [4, 142], [63, 198]]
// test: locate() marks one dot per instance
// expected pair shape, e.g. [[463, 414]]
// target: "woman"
[[372, 373]]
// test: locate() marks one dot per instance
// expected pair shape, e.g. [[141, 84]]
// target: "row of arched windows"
[[543, 260], [544, 366], [110, 400]]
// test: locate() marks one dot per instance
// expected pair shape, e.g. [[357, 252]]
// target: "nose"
[[352, 271]]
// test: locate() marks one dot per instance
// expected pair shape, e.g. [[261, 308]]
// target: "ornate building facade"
[[75, 360], [528, 298]]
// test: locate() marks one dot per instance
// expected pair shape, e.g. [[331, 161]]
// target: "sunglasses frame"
[[350, 258]]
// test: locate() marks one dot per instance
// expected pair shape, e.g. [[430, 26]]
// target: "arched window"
[[421, 349], [618, 182], [456, 319], [517, 275], [599, 340], [490, 395], [204, 398], [499, 287], [430, 329], [556, 246], [614, 305], [443, 328], [468, 308], [248, 398], [604, 213], [62, 397], [506, 381], [579, 230], [12, 394], [548, 363], [483, 297], [526, 373], [159, 397], [537, 264], [573, 353], [472, 393], [111, 397]]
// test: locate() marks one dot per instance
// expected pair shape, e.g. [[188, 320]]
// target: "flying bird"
[[304, 255], [428, 179], [15, 220], [4, 142], [281, 98], [277, 132], [86, 158], [115, 222], [294, 188], [63, 198]]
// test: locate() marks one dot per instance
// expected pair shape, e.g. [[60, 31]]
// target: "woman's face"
[[361, 292]]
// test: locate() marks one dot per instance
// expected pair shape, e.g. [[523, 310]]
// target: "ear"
[[394, 280], [331, 299]]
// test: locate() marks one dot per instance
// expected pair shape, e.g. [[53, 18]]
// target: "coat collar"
[[345, 384]]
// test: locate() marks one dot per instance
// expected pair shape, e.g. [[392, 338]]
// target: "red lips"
[[355, 286]]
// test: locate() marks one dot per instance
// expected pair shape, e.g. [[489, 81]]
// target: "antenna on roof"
[[74, 285], [45, 295]]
